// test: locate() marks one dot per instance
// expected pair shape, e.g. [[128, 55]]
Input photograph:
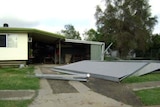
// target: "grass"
[[144, 78], [18, 79], [22, 103], [150, 96], [108, 58]]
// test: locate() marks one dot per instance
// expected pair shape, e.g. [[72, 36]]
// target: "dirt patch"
[[48, 70], [59, 86], [114, 90]]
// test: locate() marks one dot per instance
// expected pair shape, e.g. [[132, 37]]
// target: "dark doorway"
[[40, 52], [77, 51]]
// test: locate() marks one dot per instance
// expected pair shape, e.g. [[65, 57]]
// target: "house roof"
[[35, 33], [84, 42]]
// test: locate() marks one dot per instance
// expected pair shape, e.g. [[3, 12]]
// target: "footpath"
[[144, 85]]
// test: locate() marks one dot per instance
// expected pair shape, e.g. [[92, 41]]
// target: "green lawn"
[[18, 79], [149, 96], [144, 78], [22, 103]]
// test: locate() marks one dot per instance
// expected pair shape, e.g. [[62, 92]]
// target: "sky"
[[52, 15]]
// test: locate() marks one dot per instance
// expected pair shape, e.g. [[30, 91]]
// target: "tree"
[[70, 32], [154, 49], [156, 41], [126, 23], [90, 35]]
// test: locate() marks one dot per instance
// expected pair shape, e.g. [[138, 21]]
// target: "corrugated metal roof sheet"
[[84, 42], [114, 71]]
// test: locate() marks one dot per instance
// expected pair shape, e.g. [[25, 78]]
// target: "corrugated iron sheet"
[[114, 71]]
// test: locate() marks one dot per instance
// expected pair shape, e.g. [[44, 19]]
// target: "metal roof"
[[29, 30], [114, 71], [84, 42], [35, 33]]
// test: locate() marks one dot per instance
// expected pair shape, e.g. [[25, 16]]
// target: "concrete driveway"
[[83, 98]]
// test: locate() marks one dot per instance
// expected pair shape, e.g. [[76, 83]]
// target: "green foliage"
[[91, 35], [155, 41], [154, 50], [18, 78], [149, 96], [126, 23], [21, 103], [70, 32], [144, 78], [106, 58]]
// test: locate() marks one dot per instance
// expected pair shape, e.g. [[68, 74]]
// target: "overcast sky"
[[52, 15]]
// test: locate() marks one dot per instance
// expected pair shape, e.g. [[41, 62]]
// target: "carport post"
[[59, 51], [102, 54]]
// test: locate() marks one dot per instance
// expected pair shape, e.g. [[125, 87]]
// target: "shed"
[[92, 50]]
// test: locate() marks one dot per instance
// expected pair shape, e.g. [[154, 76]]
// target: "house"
[[37, 46]]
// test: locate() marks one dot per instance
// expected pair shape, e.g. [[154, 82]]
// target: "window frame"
[[6, 40]]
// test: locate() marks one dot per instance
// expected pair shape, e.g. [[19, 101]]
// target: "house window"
[[8, 40], [12, 41], [3, 40]]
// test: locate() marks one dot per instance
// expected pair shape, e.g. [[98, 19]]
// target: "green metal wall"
[[96, 51]]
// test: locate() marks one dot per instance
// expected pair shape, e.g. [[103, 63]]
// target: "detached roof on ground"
[[113, 71]]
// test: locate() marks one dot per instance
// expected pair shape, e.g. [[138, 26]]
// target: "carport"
[[43, 47]]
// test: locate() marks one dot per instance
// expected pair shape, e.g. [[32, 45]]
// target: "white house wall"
[[17, 52]]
